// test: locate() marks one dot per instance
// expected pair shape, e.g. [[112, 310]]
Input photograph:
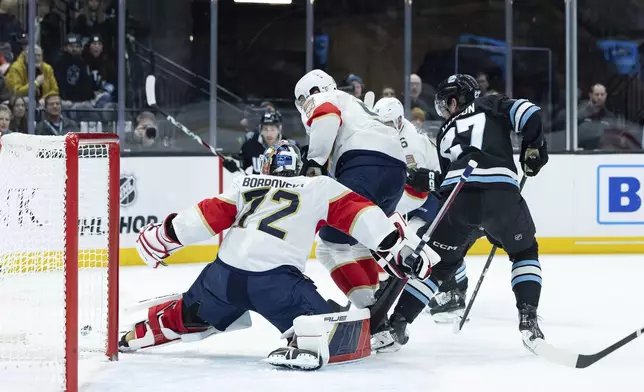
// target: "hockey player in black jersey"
[[479, 128]]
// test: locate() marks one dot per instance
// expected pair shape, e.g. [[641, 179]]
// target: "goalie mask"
[[281, 159]]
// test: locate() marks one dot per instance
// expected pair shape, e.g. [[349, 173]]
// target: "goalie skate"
[[295, 358]]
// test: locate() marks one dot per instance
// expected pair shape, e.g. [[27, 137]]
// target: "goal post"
[[59, 249]]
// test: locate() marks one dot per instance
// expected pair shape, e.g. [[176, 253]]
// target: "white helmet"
[[390, 111], [316, 79]]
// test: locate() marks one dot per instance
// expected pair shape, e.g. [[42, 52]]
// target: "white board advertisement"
[[153, 187]]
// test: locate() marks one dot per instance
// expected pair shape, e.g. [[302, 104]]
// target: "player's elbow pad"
[[532, 130], [323, 133]]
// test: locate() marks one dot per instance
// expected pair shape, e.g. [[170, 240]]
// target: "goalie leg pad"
[[326, 338], [165, 324]]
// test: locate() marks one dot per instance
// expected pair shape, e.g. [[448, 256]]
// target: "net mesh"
[[33, 262]]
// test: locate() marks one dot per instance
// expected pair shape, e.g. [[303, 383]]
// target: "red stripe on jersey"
[[344, 211], [414, 193], [218, 213], [324, 109], [320, 224]]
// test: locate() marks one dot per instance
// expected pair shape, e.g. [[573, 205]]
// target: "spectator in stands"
[[5, 119], [418, 118], [18, 115], [72, 72], [388, 92], [5, 93], [53, 122], [146, 130], [101, 69], [17, 77], [10, 27], [91, 19], [484, 84], [75, 81], [415, 89], [594, 119], [353, 85], [7, 56], [49, 31]]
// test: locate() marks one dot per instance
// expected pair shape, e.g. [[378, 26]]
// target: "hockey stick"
[[458, 327], [369, 99], [145, 304], [150, 95], [395, 286], [579, 361]]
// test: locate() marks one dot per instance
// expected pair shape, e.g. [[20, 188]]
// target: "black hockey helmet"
[[461, 87], [271, 117], [281, 159]]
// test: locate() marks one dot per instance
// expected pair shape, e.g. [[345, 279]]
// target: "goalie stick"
[[395, 286], [150, 95], [545, 350], [458, 327]]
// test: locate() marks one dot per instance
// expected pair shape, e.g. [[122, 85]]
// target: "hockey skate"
[[292, 357], [391, 336], [398, 328], [447, 307], [529, 326]]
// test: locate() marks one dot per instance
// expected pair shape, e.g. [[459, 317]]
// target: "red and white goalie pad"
[[165, 325]]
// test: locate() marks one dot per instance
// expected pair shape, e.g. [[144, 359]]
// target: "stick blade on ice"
[[150, 94]]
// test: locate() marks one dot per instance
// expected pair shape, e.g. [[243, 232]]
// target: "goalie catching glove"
[[157, 241], [397, 253]]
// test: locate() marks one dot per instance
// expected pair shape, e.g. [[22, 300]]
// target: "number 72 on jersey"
[[286, 204]]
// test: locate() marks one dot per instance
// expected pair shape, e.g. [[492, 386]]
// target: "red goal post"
[[59, 252]]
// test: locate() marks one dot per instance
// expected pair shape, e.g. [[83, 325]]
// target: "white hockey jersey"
[[420, 152], [360, 129], [273, 220]]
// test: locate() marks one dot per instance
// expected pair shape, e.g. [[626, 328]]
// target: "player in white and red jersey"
[[420, 155], [272, 220], [421, 205], [364, 155]]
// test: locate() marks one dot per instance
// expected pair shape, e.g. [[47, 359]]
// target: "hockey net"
[[59, 222]]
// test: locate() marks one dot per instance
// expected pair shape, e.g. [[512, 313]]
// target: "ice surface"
[[587, 303]]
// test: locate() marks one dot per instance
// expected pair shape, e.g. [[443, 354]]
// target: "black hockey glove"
[[533, 157], [231, 165], [423, 180], [313, 169]]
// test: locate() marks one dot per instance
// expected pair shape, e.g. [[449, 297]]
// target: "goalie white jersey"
[[359, 129], [420, 152], [273, 220]]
